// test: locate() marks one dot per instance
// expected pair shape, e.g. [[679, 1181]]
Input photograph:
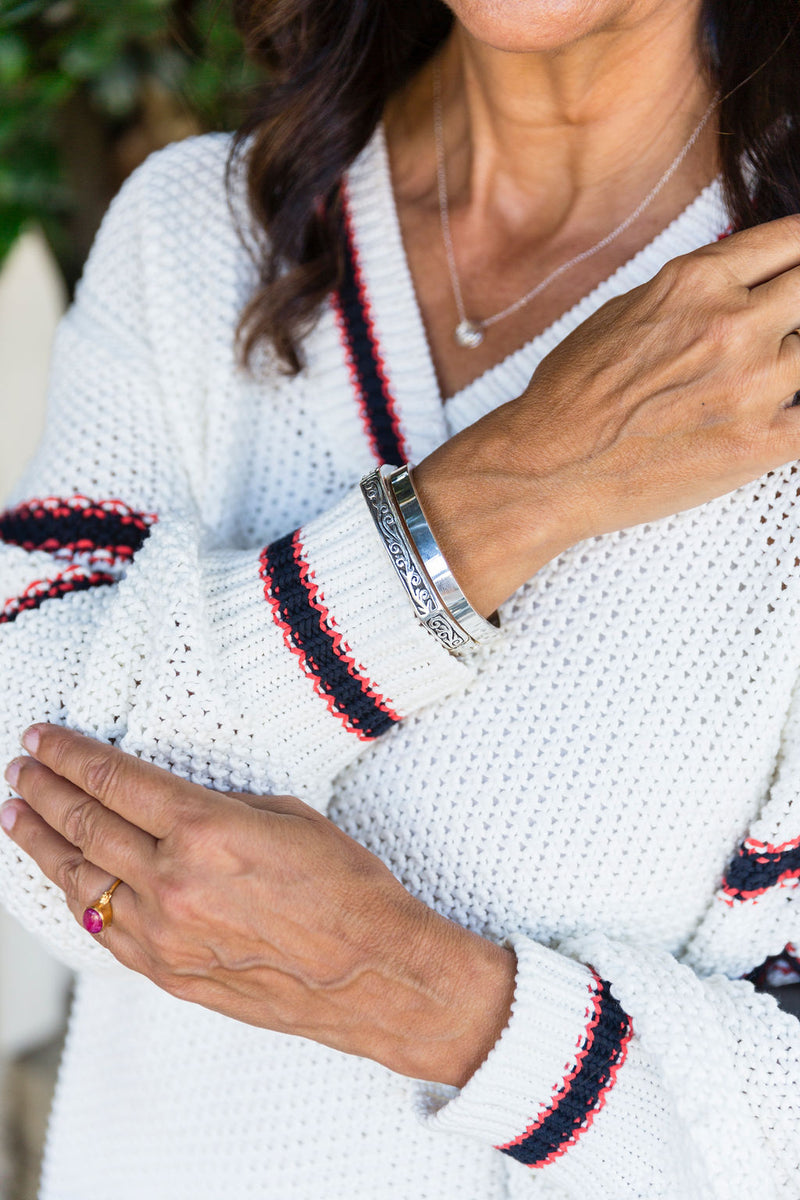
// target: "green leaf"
[[83, 70], [14, 59]]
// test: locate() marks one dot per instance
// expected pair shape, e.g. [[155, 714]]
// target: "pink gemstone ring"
[[100, 914]]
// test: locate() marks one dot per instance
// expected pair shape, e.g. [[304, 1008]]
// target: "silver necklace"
[[469, 332]]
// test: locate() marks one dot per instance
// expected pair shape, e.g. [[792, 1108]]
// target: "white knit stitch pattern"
[[577, 789]]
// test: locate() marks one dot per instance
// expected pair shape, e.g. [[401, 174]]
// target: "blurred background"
[[88, 88]]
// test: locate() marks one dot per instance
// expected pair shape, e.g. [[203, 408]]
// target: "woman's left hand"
[[258, 907]]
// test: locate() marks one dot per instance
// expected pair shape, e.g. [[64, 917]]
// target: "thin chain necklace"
[[469, 332]]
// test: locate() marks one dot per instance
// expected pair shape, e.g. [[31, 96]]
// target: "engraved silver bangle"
[[408, 561], [434, 562], [425, 602]]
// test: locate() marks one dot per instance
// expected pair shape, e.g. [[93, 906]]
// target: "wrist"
[[450, 1001], [496, 517]]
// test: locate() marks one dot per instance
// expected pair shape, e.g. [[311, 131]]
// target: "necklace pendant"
[[469, 334]]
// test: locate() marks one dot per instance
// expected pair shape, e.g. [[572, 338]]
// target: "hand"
[[665, 398], [259, 908]]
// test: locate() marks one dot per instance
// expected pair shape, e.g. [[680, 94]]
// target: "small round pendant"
[[469, 334]]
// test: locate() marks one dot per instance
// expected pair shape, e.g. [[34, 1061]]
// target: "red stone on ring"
[[92, 920]]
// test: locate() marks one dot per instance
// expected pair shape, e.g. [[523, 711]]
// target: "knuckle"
[[68, 872], [80, 822], [177, 902], [685, 282], [686, 271], [197, 833], [54, 747], [670, 275], [101, 773]]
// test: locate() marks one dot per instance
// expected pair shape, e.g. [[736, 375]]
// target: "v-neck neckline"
[[396, 316]]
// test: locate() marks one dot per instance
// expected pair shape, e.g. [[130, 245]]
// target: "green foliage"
[[75, 77]]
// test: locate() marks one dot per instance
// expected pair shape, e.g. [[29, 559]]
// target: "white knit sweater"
[[611, 787]]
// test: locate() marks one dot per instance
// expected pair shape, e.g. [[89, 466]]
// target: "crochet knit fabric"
[[188, 568]]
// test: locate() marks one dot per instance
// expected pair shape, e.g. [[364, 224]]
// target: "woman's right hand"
[[666, 397]]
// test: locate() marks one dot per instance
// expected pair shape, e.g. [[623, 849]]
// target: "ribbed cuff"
[[370, 606], [317, 632], [537, 1052]]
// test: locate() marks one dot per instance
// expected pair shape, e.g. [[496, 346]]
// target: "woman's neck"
[[547, 152], [593, 123]]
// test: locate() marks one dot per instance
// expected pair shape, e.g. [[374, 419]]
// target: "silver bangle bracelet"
[[419, 589], [477, 627], [408, 563]]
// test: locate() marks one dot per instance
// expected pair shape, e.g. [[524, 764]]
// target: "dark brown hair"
[[331, 66]]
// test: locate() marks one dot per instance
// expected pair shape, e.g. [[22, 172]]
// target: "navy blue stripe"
[[309, 633], [565, 1121], [34, 528], [756, 870], [52, 590], [365, 356]]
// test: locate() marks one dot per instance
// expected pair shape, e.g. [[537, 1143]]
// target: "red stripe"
[[343, 651], [273, 602], [755, 847], [50, 589], [566, 1085], [787, 879], [67, 550], [340, 647], [583, 1045], [57, 506]]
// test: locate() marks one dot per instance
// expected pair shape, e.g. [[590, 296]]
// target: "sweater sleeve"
[[626, 1072], [623, 1074], [262, 669]]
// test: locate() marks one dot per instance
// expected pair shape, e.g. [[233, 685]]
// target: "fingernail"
[[30, 739], [8, 815], [12, 771]]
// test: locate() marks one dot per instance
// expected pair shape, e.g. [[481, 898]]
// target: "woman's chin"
[[531, 26]]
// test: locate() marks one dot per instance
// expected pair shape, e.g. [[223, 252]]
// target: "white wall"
[[32, 297]]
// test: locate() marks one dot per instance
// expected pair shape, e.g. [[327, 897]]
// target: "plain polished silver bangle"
[[408, 562], [425, 602], [477, 627]]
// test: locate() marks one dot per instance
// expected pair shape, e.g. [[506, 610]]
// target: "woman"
[[549, 855]]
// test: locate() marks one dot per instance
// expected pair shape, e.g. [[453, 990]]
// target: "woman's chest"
[[608, 758]]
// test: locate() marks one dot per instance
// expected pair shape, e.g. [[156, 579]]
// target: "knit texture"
[[188, 569]]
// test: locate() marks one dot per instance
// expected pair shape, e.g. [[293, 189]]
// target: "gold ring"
[[100, 914]]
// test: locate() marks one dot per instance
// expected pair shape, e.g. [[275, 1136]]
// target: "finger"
[[757, 255], [789, 363], [148, 796], [83, 884], [102, 836], [80, 881], [783, 433], [123, 933], [778, 303]]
